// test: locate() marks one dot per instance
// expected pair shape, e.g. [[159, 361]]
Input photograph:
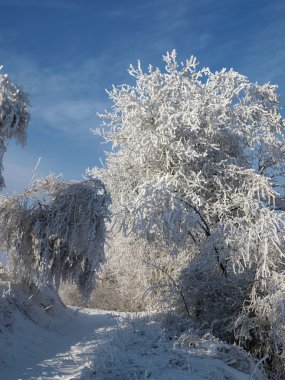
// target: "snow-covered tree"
[[14, 116], [55, 231], [182, 131], [199, 155], [198, 162]]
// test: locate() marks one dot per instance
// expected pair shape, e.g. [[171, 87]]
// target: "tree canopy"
[[198, 154]]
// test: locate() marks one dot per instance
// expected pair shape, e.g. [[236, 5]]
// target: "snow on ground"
[[41, 339]]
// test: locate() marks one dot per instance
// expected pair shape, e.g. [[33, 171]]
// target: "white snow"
[[73, 343]]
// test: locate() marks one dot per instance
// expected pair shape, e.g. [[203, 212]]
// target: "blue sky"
[[65, 53]]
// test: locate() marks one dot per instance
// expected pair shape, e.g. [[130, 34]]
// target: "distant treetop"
[[14, 116]]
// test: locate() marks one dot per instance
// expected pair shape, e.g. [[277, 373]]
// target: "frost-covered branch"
[[14, 116], [197, 152], [55, 231]]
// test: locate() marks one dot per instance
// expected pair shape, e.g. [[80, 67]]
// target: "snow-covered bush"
[[135, 276], [14, 116], [260, 325], [198, 162], [55, 231]]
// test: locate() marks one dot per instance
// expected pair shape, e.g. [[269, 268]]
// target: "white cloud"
[[64, 99], [72, 117]]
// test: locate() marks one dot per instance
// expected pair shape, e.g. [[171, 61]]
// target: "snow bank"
[[27, 316]]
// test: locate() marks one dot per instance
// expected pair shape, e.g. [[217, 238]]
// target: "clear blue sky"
[[65, 53]]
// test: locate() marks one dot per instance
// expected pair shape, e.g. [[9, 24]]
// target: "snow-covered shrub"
[[261, 324], [242, 306], [55, 231], [197, 165], [202, 344], [14, 116], [135, 276]]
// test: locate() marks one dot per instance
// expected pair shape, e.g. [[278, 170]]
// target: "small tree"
[[55, 231], [14, 116], [198, 163]]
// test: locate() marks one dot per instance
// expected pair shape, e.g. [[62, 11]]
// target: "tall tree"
[[198, 162]]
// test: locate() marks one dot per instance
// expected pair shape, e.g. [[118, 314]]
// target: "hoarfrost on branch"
[[14, 116]]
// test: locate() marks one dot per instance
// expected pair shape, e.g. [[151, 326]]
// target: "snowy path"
[[103, 346], [47, 354]]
